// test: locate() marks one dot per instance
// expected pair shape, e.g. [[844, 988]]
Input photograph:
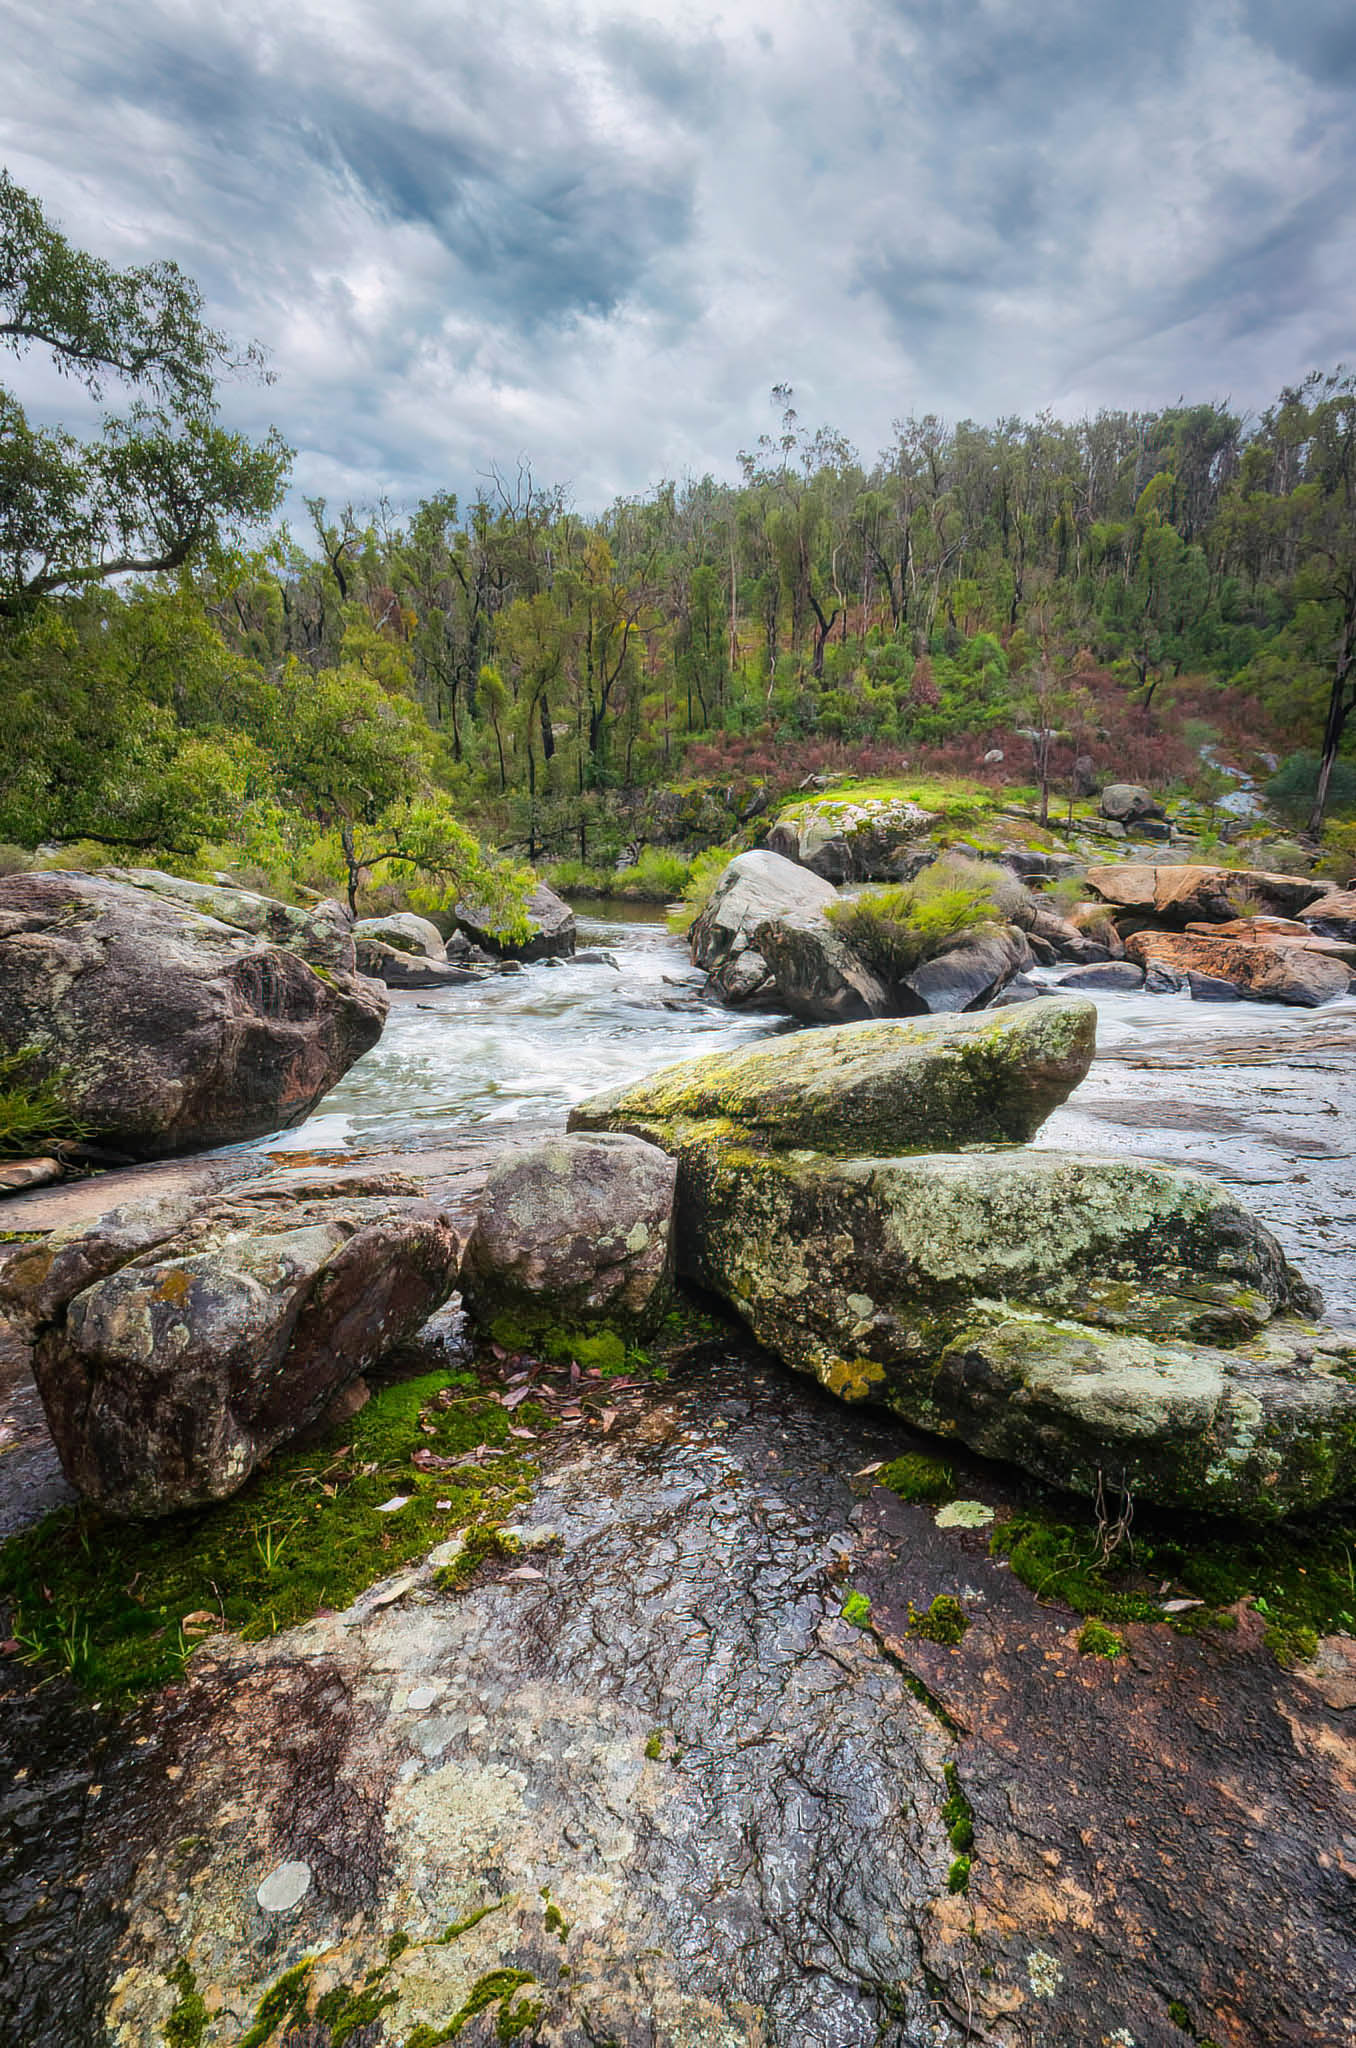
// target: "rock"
[[1152, 828], [406, 932], [1028, 864], [753, 888], [742, 978], [1076, 1316], [409, 970], [943, 1081], [1182, 895], [176, 1344], [574, 1231], [813, 974], [166, 1030], [1208, 988], [970, 974], [1263, 972], [872, 839], [1019, 990], [321, 933], [18, 1175], [1333, 914], [1064, 939], [1084, 776], [285, 1887], [1094, 921], [1127, 803], [994, 757], [1113, 976], [551, 934]]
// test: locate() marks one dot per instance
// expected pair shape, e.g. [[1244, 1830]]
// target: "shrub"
[[14, 860], [894, 930], [703, 875], [1338, 860], [1291, 788], [32, 1110]]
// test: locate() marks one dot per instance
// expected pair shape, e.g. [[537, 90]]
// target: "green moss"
[[957, 1813], [498, 1988], [285, 2000], [958, 1877], [654, 1747], [1300, 1575], [1095, 1639], [480, 1544], [945, 1621], [343, 2011], [188, 2017], [107, 1599], [603, 1351], [857, 1609], [554, 1919], [916, 1476], [457, 1928]]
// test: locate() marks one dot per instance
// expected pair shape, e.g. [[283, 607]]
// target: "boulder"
[[551, 933], [968, 975], [1127, 803], [1182, 895], [814, 975], [742, 978], [1115, 977], [870, 839], [166, 1030], [753, 888], [320, 933], [573, 1232], [1021, 989], [405, 932], [176, 1344], [1082, 1318], [410, 970], [1332, 914], [924, 1082], [1261, 971]]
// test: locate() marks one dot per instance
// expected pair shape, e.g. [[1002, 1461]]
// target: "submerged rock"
[[919, 1083], [175, 1345], [574, 1231], [167, 1030]]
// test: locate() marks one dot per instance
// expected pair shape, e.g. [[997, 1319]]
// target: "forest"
[[373, 696]]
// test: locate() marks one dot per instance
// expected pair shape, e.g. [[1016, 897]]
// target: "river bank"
[[697, 1800]]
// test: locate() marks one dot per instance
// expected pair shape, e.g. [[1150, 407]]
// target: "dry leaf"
[[512, 1400], [867, 1470], [529, 1434], [397, 1500], [607, 1418], [525, 1571], [1180, 1606]]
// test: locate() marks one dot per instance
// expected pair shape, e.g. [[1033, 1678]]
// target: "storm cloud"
[[594, 235]]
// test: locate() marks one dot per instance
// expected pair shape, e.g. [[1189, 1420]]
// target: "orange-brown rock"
[[1333, 914], [1217, 895], [1264, 971]]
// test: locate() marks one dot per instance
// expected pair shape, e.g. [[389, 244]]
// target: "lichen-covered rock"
[[167, 1030], [409, 970], [406, 932], [1127, 803], [551, 928], [814, 975], [1076, 1316], [1262, 971], [1183, 895], [321, 933], [922, 1083], [176, 1345], [574, 1231], [865, 839]]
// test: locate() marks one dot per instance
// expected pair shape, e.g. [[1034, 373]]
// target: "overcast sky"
[[594, 234]]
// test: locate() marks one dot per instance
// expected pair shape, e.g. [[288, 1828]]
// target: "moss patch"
[[945, 1621], [916, 1476], [1095, 1639], [188, 2016], [857, 1609], [1300, 1576], [121, 1605]]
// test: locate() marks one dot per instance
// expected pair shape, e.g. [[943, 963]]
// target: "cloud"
[[588, 234]]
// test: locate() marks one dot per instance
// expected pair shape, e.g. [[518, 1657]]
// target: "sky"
[[592, 236]]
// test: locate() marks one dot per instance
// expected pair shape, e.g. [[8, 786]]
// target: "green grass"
[[894, 930], [1300, 1577], [33, 1110], [108, 1601]]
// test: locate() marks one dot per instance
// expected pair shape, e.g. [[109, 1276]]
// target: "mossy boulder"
[[879, 1087], [574, 1233], [845, 839], [1075, 1316]]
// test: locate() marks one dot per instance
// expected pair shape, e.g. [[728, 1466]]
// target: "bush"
[[14, 860], [32, 1110], [1338, 860], [1291, 788], [895, 930], [703, 875]]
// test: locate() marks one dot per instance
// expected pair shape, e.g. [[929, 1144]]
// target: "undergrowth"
[[895, 930], [121, 1605], [33, 1110]]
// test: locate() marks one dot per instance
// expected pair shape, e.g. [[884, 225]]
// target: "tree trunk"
[[1339, 709]]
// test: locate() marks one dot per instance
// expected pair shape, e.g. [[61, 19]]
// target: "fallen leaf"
[[512, 1400], [574, 1372], [607, 1418], [442, 1505], [397, 1500], [867, 1470], [430, 1461], [498, 1351], [530, 1434], [525, 1571], [1180, 1606]]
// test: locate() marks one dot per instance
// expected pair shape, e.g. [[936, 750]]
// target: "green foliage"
[[1338, 859], [33, 1111], [703, 875], [304, 1533], [895, 930], [1291, 789]]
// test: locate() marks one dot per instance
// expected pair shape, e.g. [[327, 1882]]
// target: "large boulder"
[[551, 928], [1332, 914], [410, 970], [405, 932], [968, 975], [175, 1344], [813, 974], [926, 1082], [1127, 803], [754, 888], [571, 1233], [1083, 1318], [1185, 895], [846, 839], [165, 1029], [1261, 971]]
